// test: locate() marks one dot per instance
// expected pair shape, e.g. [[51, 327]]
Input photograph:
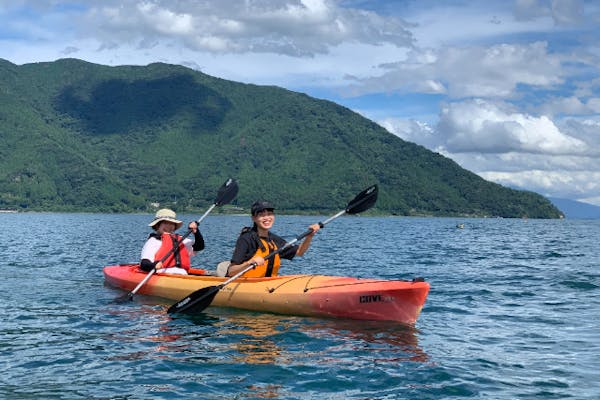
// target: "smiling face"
[[166, 227], [264, 219]]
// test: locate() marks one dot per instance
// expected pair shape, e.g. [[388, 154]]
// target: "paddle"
[[226, 193], [201, 298]]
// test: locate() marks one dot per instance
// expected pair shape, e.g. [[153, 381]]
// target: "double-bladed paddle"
[[202, 298], [226, 193]]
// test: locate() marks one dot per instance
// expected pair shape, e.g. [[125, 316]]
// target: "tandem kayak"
[[304, 295]]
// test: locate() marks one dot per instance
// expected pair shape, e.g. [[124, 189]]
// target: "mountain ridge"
[[81, 136]]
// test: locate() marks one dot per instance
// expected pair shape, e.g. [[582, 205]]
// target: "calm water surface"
[[512, 314]]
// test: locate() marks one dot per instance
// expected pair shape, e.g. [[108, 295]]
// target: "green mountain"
[[76, 136]]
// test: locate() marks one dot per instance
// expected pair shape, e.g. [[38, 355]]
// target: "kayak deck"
[[305, 295]]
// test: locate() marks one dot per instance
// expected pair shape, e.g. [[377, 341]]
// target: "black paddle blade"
[[123, 299], [195, 302], [227, 192], [363, 201]]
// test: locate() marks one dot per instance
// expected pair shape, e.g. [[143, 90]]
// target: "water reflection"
[[146, 325], [257, 336], [224, 336], [284, 340]]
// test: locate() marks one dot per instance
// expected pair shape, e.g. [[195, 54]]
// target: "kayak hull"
[[305, 295]]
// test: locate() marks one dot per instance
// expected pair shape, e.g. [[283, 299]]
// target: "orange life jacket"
[[271, 266], [179, 258]]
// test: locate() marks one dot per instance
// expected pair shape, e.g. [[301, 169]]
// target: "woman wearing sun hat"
[[164, 239]]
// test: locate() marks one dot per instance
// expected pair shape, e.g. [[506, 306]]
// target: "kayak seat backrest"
[[222, 268]]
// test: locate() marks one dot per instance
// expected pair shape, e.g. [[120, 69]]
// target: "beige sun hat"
[[165, 214]]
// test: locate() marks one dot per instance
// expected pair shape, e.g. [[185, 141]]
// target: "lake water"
[[512, 314]]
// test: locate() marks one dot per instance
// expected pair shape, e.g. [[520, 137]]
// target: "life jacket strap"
[[176, 252], [270, 261]]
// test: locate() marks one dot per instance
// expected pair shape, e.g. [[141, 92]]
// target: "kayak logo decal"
[[183, 302], [375, 298]]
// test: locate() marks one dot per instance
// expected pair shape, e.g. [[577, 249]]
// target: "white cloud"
[[494, 71], [166, 21], [571, 184], [486, 127], [512, 148], [586, 129], [414, 131], [483, 127], [571, 105], [296, 28]]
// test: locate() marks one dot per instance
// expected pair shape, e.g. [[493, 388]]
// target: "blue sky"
[[508, 89]]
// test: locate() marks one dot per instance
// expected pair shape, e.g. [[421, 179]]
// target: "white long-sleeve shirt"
[[151, 248], [153, 244]]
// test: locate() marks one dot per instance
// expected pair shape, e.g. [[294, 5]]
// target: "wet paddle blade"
[[195, 302], [123, 299], [227, 192], [363, 201]]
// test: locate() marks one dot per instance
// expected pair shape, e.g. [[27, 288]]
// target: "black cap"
[[261, 205]]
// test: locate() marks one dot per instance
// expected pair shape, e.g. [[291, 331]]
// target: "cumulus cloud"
[[586, 129], [484, 126], [507, 146], [570, 184], [475, 71], [414, 131], [297, 28], [571, 105]]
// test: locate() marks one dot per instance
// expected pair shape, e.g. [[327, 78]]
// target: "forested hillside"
[[78, 136]]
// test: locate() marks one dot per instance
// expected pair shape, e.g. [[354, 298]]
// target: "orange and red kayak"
[[306, 295]]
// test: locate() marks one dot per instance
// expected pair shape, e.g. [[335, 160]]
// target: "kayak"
[[303, 295]]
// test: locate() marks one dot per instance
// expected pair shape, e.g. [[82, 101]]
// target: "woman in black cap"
[[256, 242]]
